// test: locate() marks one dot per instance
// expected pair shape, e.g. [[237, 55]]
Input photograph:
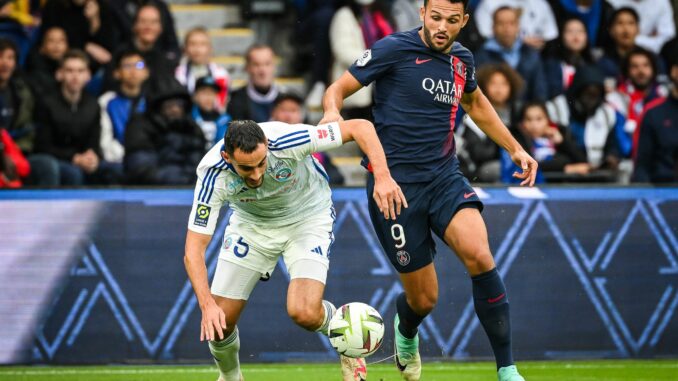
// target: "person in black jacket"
[[657, 155], [164, 145], [69, 126]]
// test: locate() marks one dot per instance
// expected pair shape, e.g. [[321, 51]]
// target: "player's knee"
[[478, 260], [305, 316], [424, 303]]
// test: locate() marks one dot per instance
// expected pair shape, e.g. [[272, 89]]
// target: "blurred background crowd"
[[134, 92]]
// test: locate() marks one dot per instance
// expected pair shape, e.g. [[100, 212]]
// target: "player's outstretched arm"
[[333, 100], [213, 318], [387, 194], [483, 114]]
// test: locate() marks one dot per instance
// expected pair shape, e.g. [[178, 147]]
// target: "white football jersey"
[[295, 185]]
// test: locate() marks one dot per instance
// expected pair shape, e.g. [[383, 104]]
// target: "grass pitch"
[[614, 370]]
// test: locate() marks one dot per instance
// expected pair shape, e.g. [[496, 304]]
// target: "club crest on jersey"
[[283, 174], [202, 215], [403, 257], [236, 185], [460, 69], [365, 58]]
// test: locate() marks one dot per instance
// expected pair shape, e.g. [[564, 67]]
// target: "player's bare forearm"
[[194, 261], [483, 114], [388, 195], [333, 100]]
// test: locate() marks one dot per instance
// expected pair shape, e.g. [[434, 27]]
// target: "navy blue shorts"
[[407, 241]]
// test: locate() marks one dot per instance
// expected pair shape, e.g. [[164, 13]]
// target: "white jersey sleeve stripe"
[[290, 140], [320, 169], [206, 192], [299, 132], [204, 180], [294, 144]]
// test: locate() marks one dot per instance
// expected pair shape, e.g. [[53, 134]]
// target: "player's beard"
[[429, 41]]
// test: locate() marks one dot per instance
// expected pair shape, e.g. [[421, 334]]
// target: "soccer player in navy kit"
[[421, 78]]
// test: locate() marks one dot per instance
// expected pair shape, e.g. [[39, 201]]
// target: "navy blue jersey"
[[417, 95]]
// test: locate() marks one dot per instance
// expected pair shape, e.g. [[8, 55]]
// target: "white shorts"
[[250, 252]]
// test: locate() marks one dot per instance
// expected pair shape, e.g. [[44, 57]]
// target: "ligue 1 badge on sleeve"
[[366, 57], [202, 215]]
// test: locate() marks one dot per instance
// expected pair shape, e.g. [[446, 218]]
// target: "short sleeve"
[[375, 62], [300, 140], [471, 83], [207, 200]]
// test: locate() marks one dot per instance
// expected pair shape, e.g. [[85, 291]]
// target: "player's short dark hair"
[[288, 97], [126, 54], [8, 44], [74, 54], [245, 135], [621, 10], [465, 2], [638, 51]]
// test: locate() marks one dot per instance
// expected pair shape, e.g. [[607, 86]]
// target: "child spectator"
[[43, 63], [552, 146], [196, 63], [212, 121], [478, 155], [118, 107], [565, 55], [164, 145]]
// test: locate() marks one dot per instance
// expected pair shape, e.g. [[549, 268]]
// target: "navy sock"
[[492, 307], [409, 320]]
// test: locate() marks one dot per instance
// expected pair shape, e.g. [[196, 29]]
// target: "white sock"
[[225, 355], [330, 309]]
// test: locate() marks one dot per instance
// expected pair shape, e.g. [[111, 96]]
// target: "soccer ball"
[[356, 330]]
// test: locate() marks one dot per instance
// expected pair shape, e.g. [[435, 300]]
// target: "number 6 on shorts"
[[398, 234]]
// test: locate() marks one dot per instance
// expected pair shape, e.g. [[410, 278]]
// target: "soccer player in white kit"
[[282, 206]]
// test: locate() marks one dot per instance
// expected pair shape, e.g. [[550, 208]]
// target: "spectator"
[[43, 63], [537, 22], [145, 38], [117, 107], [354, 28], [595, 126], [196, 63], [595, 14], [255, 101], [641, 88], [69, 126], [565, 55], [17, 107], [656, 25], [478, 154], [206, 113], [88, 25], [13, 164], [507, 46], [164, 146], [623, 31], [289, 108], [551, 145], [19, 10], [657, 155], [126, 13]]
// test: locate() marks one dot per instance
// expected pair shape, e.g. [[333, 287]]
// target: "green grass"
[[616, 370]]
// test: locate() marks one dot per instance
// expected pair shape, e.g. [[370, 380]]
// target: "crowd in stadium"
[[103, 92]]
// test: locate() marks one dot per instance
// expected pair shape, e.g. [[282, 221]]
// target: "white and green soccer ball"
[[356, 330]]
